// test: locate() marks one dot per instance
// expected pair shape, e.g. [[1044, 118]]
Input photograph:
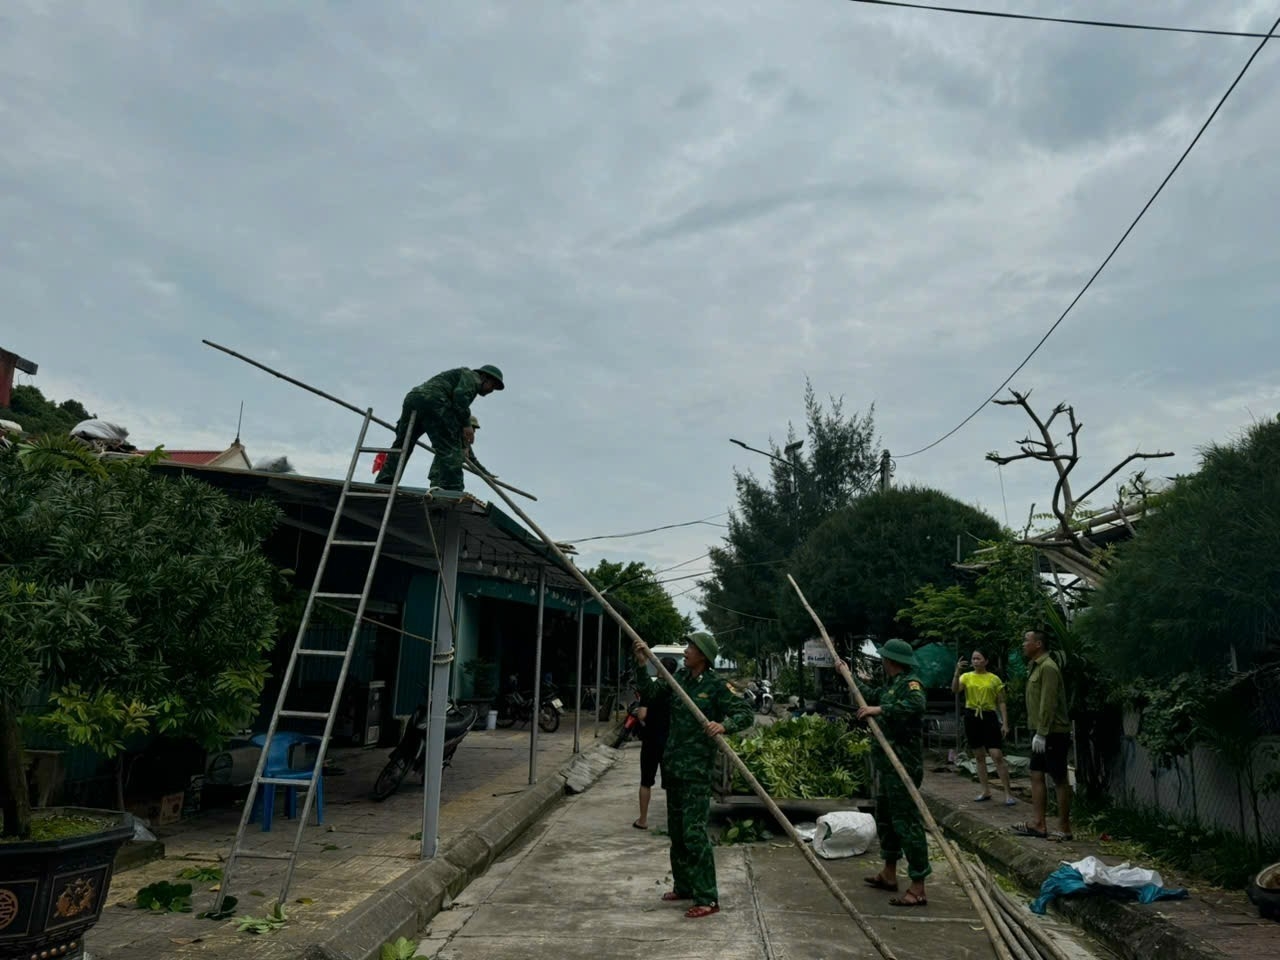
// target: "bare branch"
[[1122, 464]]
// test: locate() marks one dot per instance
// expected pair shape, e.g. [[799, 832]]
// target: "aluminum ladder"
[[281, 712]]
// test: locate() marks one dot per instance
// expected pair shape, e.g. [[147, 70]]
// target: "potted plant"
[[134, 604]]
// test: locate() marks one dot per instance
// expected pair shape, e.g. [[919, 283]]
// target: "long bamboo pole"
[[720, 741], [350, 406], [988, 921]]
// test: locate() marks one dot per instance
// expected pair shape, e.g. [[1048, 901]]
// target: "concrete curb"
[[404, 907], [1129, 930]]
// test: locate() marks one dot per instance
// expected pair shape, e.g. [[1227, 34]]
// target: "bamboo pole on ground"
[[988, 921]]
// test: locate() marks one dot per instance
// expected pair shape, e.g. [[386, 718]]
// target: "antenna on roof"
[[239, 421]]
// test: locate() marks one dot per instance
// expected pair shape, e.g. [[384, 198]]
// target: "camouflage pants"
[[693, 865], [446, 468], [900, 827]]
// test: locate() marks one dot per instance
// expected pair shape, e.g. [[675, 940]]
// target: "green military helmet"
[[707, 644], [490, 370], [899, 651], [475, 424]]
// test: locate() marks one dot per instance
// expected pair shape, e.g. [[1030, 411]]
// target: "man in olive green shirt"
[[688, 765], [1051, 736]]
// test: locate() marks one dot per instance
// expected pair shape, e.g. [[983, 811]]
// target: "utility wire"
[[1125, 236], [640, 533], [1066, 20]]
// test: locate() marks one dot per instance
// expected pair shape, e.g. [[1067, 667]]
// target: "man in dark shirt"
[[655, 719]]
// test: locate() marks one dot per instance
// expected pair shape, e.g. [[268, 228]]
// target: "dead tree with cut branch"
[[1069, 546]]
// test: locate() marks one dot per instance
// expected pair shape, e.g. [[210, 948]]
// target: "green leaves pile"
[[165, 897], [805, 758]]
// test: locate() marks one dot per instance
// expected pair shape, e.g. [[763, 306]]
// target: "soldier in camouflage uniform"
[[468, 446], [443, 406], [899, 705], [688, 766]]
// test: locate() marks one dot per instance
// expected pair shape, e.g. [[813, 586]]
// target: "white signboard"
[[816, 654]]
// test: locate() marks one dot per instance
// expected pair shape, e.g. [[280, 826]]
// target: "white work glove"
[[1037, 744]]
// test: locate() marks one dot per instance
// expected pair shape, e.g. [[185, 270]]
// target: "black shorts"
[[983, 732], [1054, 759], [650, 759]]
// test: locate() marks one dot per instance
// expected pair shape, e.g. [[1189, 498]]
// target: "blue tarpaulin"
[[1067, 880]]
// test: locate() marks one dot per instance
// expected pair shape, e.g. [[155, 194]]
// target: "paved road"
[[584, 884]]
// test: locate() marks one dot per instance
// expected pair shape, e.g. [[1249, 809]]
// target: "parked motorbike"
[[759, 694], [630, 726], [411, 751], [517, 707]]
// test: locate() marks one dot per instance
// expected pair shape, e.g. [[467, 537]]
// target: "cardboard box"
[[170, 808]]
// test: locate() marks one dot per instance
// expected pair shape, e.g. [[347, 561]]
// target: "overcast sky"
[[657, 217]]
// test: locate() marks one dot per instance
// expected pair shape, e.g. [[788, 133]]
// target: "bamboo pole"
[[721, 743], [351, 406], [1018, 916], [988, 921]]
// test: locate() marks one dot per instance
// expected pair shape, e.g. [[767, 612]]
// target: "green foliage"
[[228, 909], [861, 566], [804, 758], [200, 874], [1200, 581], [1171, 712], [38, 416], [165, 897], [45, 827], [401, 949], [744, 831], [647, 605], [839, 463], [144, 603], [273, 921]]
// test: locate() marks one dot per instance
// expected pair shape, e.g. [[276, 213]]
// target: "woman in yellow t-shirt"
[[986, 720]]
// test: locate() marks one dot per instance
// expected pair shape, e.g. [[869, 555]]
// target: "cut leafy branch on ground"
[[805, 758]]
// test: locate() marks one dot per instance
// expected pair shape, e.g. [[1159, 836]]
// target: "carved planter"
[[52, 891]]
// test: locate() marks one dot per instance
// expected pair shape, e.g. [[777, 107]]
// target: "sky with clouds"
[[658, 218]]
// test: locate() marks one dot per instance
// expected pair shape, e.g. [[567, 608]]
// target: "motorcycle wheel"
[[390, 778], [506, 718], [549, 719]]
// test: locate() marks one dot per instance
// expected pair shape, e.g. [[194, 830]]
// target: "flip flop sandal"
[[1059, 836], [982, 799], [638, 826], [1010, 802], [702, 910], [1026, 830], [902, 901], [671, 896], [879, 883]]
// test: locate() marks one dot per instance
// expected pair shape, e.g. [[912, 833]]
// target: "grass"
[[61, 828], [1146, 838]]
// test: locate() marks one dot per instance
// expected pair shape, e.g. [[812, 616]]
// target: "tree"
[[140, 603], [861, 565], [1200, 588], [647, 605], [840, 464], [38, 416]]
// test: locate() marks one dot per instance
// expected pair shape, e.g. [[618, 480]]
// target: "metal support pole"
[[537, 679], [595, 721], [441, 664], [577, 707], [617, 696]]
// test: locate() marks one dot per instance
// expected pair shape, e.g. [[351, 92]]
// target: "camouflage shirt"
[[901, 702], [690, 753], [450, 394]]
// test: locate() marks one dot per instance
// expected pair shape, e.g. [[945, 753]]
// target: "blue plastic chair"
[[278, 766]]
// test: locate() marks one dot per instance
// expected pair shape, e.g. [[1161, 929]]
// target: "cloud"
[[657, 218]]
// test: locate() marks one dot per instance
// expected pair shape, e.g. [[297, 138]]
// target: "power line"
[[640, 533], [739, 612], [1064, 20], [1125, 236]]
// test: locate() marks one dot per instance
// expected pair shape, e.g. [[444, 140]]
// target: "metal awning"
[[493, 544]]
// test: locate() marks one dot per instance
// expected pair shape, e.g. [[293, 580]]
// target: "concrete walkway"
[[584, 884], [361, 848]]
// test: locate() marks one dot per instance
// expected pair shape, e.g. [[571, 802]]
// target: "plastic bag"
[[273, 465], [1094, 870], [140, 831], [845, 833], [100, 430]]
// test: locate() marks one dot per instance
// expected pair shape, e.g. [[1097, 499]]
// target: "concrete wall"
[[1200, 787]]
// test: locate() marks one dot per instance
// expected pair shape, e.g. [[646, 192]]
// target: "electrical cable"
[[1114, 250], [1073, 21], [639, 533]]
